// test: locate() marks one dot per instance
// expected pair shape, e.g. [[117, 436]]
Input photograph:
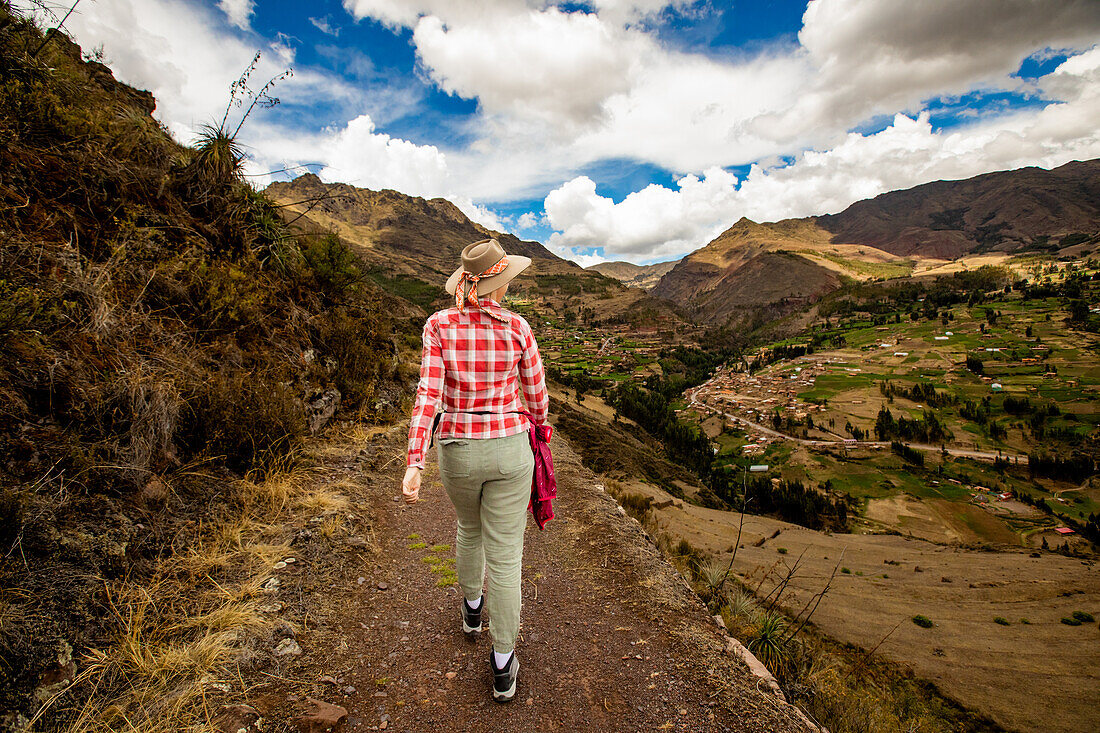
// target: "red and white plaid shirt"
[[475, 363]]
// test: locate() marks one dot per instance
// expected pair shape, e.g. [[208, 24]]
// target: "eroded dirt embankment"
[[612, 638]]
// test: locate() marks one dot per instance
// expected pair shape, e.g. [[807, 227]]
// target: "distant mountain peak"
[[637, 276]]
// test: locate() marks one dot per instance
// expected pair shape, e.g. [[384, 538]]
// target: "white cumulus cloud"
[[664, 223], [549, 63], [239, 12]]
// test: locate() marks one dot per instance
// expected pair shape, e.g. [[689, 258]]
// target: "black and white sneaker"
[[504, 680], [471, 618]]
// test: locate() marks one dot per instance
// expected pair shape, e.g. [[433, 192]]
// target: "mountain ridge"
[[893, 234], [412, 244], [637, 276], [998, 211]]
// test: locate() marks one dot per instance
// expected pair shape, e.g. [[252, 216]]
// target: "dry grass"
[[193, 620]]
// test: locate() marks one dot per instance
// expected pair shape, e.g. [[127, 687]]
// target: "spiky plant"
[[741, 604], [769, 641], [218, 156], [712, 573]]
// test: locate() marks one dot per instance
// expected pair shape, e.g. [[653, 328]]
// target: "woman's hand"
[[410, 486]]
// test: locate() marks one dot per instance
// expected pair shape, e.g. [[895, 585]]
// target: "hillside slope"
[[162, 336], [1002, 211], [402, 232], [750, 269]]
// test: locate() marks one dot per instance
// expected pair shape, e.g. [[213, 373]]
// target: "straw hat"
[[479, 257]]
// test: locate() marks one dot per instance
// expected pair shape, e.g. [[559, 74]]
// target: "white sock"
[[501, 659], [474, 605]]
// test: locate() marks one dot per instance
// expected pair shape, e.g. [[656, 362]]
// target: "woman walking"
[[477, 359]]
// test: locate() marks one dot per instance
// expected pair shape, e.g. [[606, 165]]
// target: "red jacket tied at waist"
[[544, 487]]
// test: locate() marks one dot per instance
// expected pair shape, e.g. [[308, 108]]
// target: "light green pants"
[[489, 483]]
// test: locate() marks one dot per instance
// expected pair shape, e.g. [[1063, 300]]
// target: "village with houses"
[[603, 353]]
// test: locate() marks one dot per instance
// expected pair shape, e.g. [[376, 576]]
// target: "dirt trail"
[[611, 640]]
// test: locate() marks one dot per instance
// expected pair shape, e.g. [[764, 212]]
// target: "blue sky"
[[626, 129]]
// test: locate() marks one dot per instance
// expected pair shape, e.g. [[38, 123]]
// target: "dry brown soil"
[[612, 638], [1041, 675]]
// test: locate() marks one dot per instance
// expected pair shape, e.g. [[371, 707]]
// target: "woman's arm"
[[532, 378], [428, 395]]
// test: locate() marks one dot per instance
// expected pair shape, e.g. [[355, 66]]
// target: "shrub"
[[1070, 621], [1001, 620], [334, 266], [636, 505], [781, 550], [846, 571], [229, 295], [358, 341], [923, 621], [245, 418], [1083, 617]]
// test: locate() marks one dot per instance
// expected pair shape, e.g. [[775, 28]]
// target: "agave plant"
[[219, 157], [769, 642]]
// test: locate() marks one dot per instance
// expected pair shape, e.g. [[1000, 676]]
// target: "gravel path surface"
[[612, 639]]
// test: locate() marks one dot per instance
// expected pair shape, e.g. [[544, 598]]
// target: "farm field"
[[983, 664]]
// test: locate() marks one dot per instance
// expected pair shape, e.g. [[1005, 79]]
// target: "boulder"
[[320, 410], [320, 717]]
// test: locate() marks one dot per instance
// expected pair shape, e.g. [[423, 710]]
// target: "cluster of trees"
[[919, 392], [1024, 405], [1076, 468], [1091, 528], [1077, 297], [910, 455], [1066, 433], [791, 501], [652, 409], [927, 429], [780, 353], [977, 412], [919, 298], [975, 365], [687, 367]]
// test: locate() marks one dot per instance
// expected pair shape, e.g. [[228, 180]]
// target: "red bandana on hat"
[[471, 296]]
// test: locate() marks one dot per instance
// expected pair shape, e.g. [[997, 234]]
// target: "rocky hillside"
[[162, 335], [635, 276], [889, 236], [750, 268], [1005, 211], [411, 245], [400, 232]]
